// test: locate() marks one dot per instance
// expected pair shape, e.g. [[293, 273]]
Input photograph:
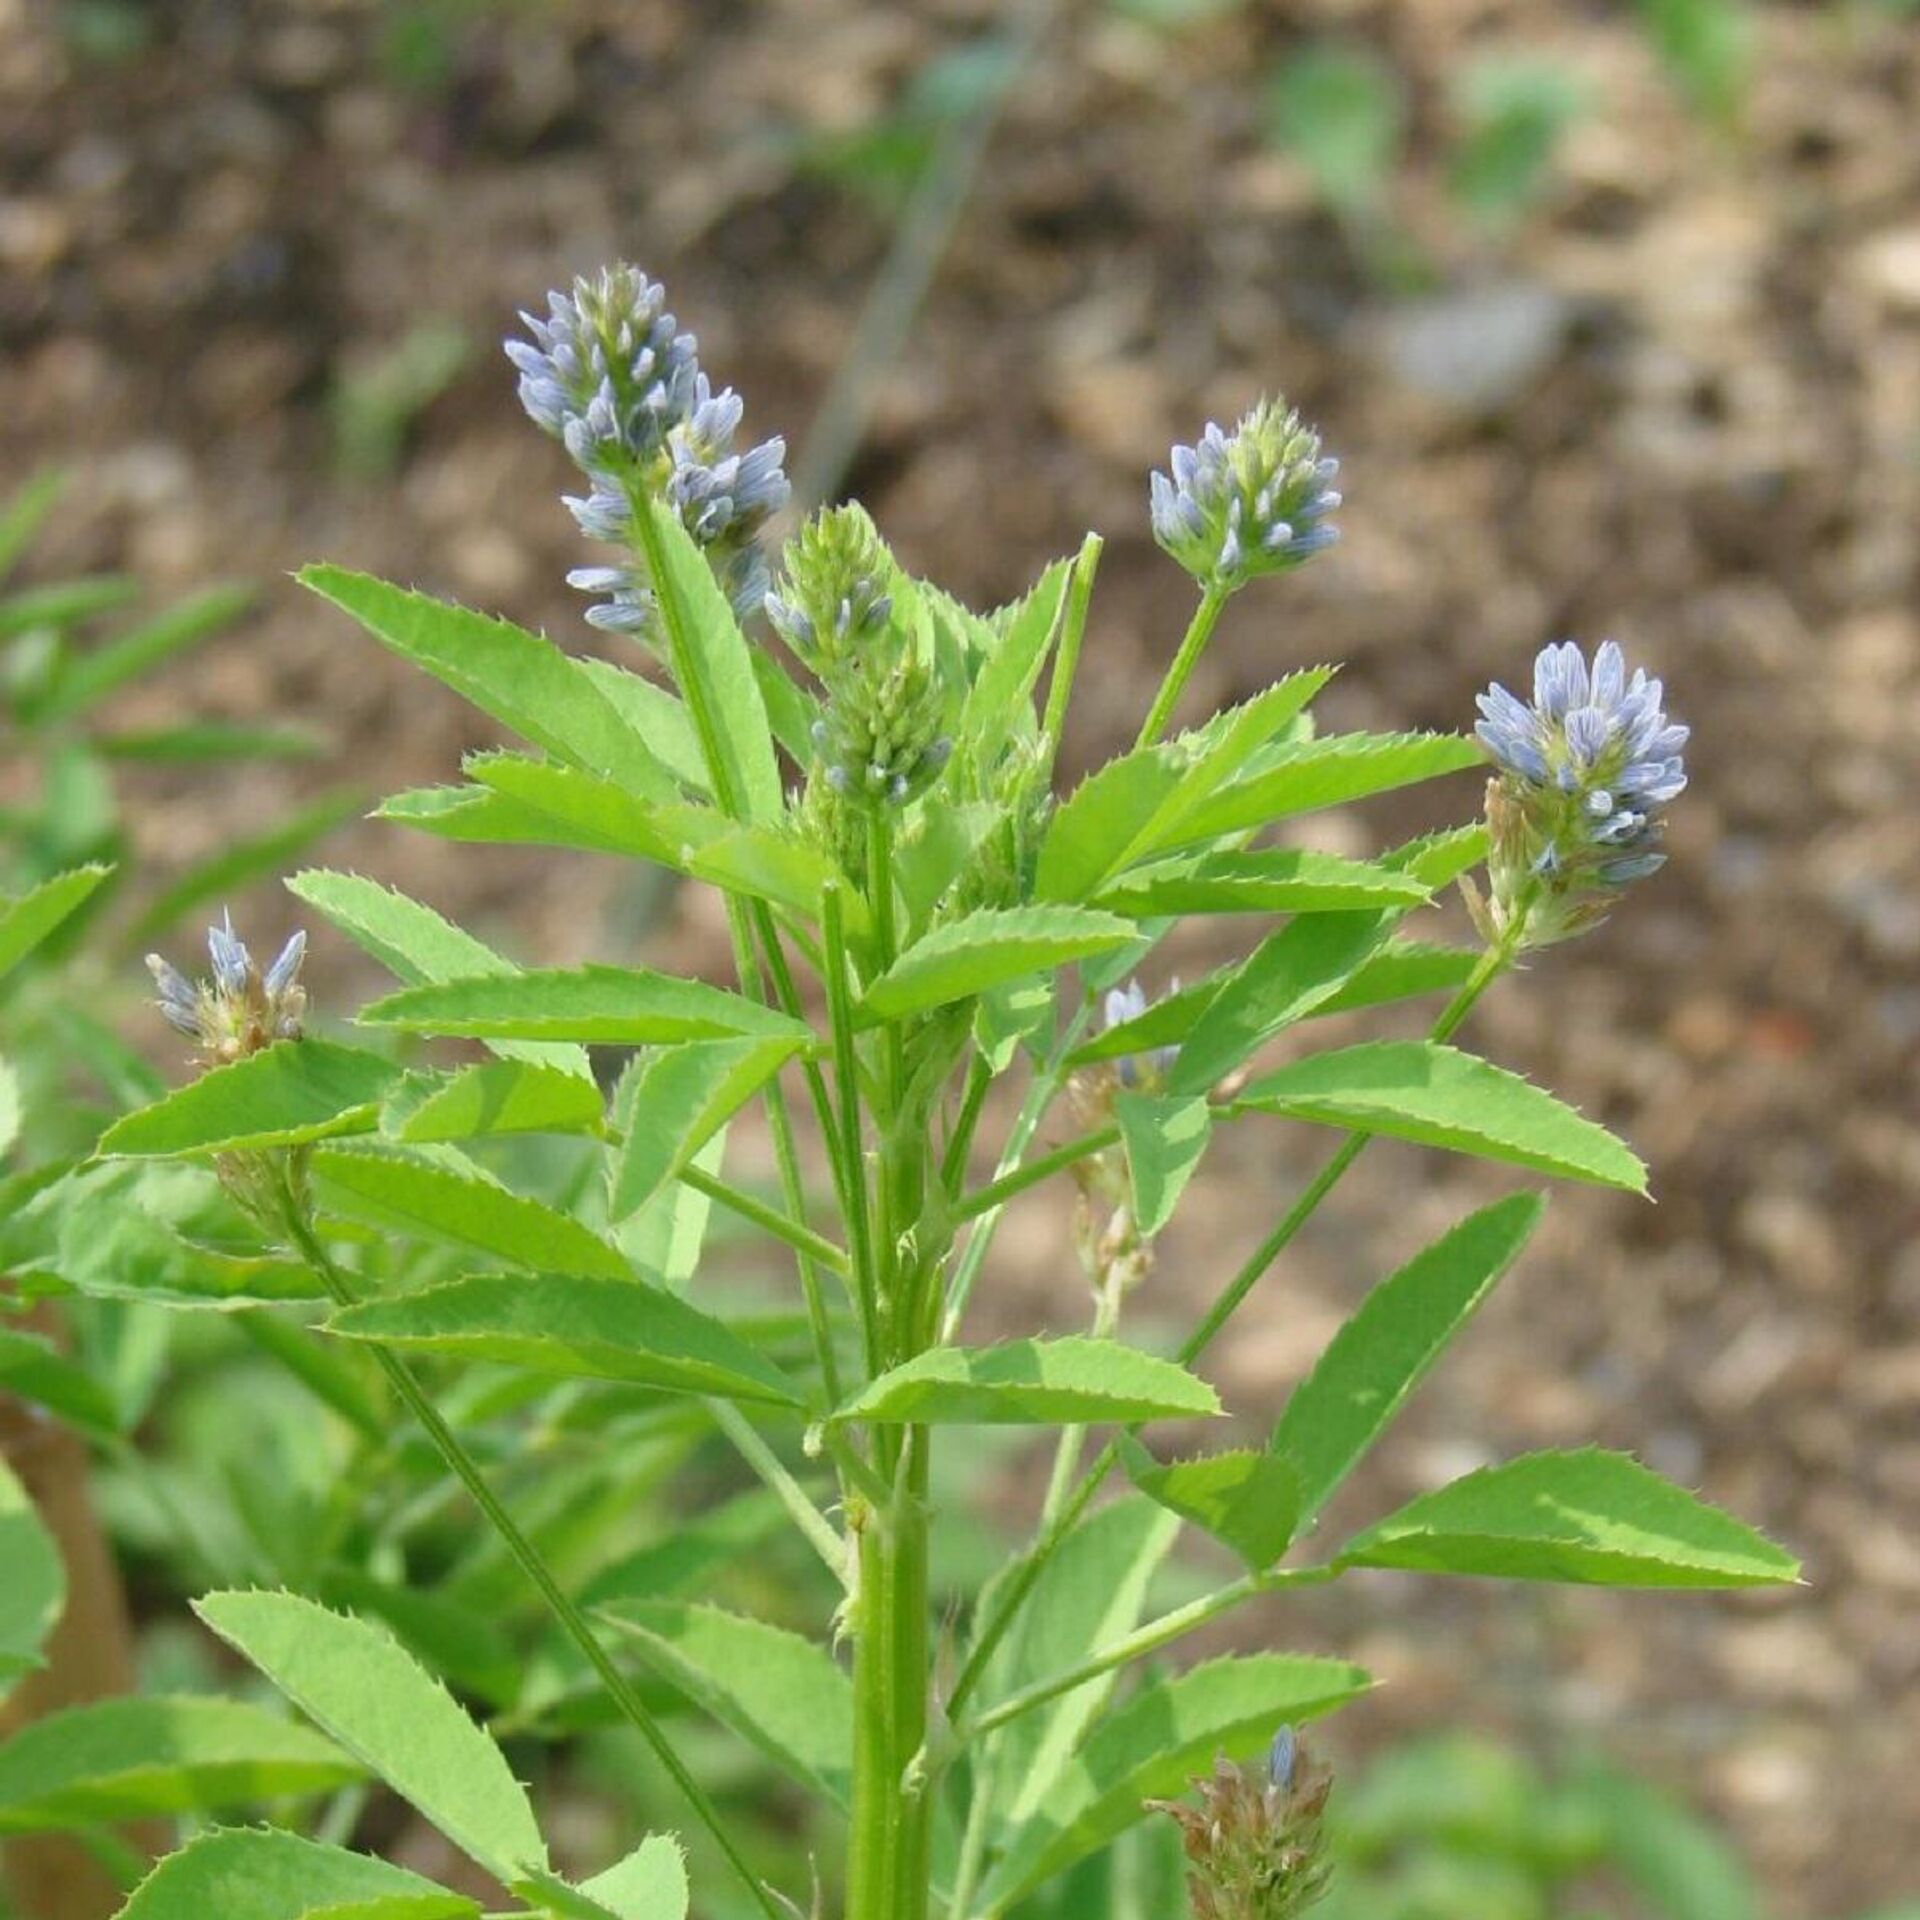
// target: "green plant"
[[916, 919]]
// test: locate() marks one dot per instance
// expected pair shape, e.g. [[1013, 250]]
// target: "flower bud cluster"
[[1575, 812], [611, 376], [239, 1010], [1256, 1845], [879, 734], [1246, 503]]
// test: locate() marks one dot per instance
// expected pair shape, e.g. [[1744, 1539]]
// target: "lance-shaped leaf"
[[1166, 1023], [784, 1695], [683, 1097], [359, 1684], [33, 1585], [1164, 1136], [1283, 980], [591, 810], [479, 816], [520, 679], [499, 1096], [1327, 773], [33, 1368], [37, 915], [1250, 1501], [463, 1210], [1073, 1381], [1587, 1517], [1377, 1359], [714, 667], [415, 944], [589, 1329], [649, 1884], [265, 1874], [611, 1006], [1400, 970], [1258, 880], [1439, 1097], [1170, 1730], [287, 1094], [1022, 636], [986, 949], [116, 1760]]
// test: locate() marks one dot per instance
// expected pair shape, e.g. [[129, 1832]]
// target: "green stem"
[[996, 1192], [620, 1690], [1199, 632], [1073, 631], [851, 1149], [814, 1525], [769, 1219]]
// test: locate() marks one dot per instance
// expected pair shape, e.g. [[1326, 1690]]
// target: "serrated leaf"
[[588, 809], [784, 1695], [365, 1690], [656, 715], [1091, 1593], [1327, 773], [682, 1098], [478, 816], [34, 916], [1587, 1517], [1400, 970], [1073, 1381], [714, 666], [649, 1884], [33, 1584], [464, 1210], [497, 1097], [1385, 1350], [581, 1328], [116, 1760], [418, 946], [1284, 979], [987, 949], [519, 679], [1171, 1730], [1164, 1136], [1439, 1097], [1250, 1501], [612, 1006], [265, 1874], [1258, 880], [289, 1093], [1022, 639], [1165, 1024]]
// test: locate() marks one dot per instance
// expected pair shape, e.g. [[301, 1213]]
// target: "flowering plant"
[[917, 918]]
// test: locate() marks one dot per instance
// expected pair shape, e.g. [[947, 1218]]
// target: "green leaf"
[[480, 816], [1074, 1381], [784, 1695], [116, 1760], [497, 1097], [33, 1584], [33, 917], [1438, 1097], [12, 1108], [26, 511], [291, 1092], [1400, 970], [359, 1684], [465, 1210], [89, 677], [649, 1884], [519, 679], [1682, 1867], [1284, 979], [1259, 880], [582, 1328], [986, 949], [587, 809], [205, 743], [1588, 1517], [1328, 773], [713, 664], [1091, 1593], [66, 603], [1377, 1359], [1171, 1730], [265, 1874], [36, 1370], [1023, 638], [1251, 1501], [1166, 1023], [682, 1098], [653, 713], [1164, 1135], [614, 1006], [417, 945]]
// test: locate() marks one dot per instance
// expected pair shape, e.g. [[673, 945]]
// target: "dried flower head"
[[239, 1010], [1249, 502], [1586, 773], [1256, 1845]]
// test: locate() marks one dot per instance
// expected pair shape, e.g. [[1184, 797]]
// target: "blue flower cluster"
[[240, 1010], [1586, 773], [611, 376], [1249, 502]]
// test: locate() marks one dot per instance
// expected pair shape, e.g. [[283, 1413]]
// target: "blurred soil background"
[[255, 260]]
